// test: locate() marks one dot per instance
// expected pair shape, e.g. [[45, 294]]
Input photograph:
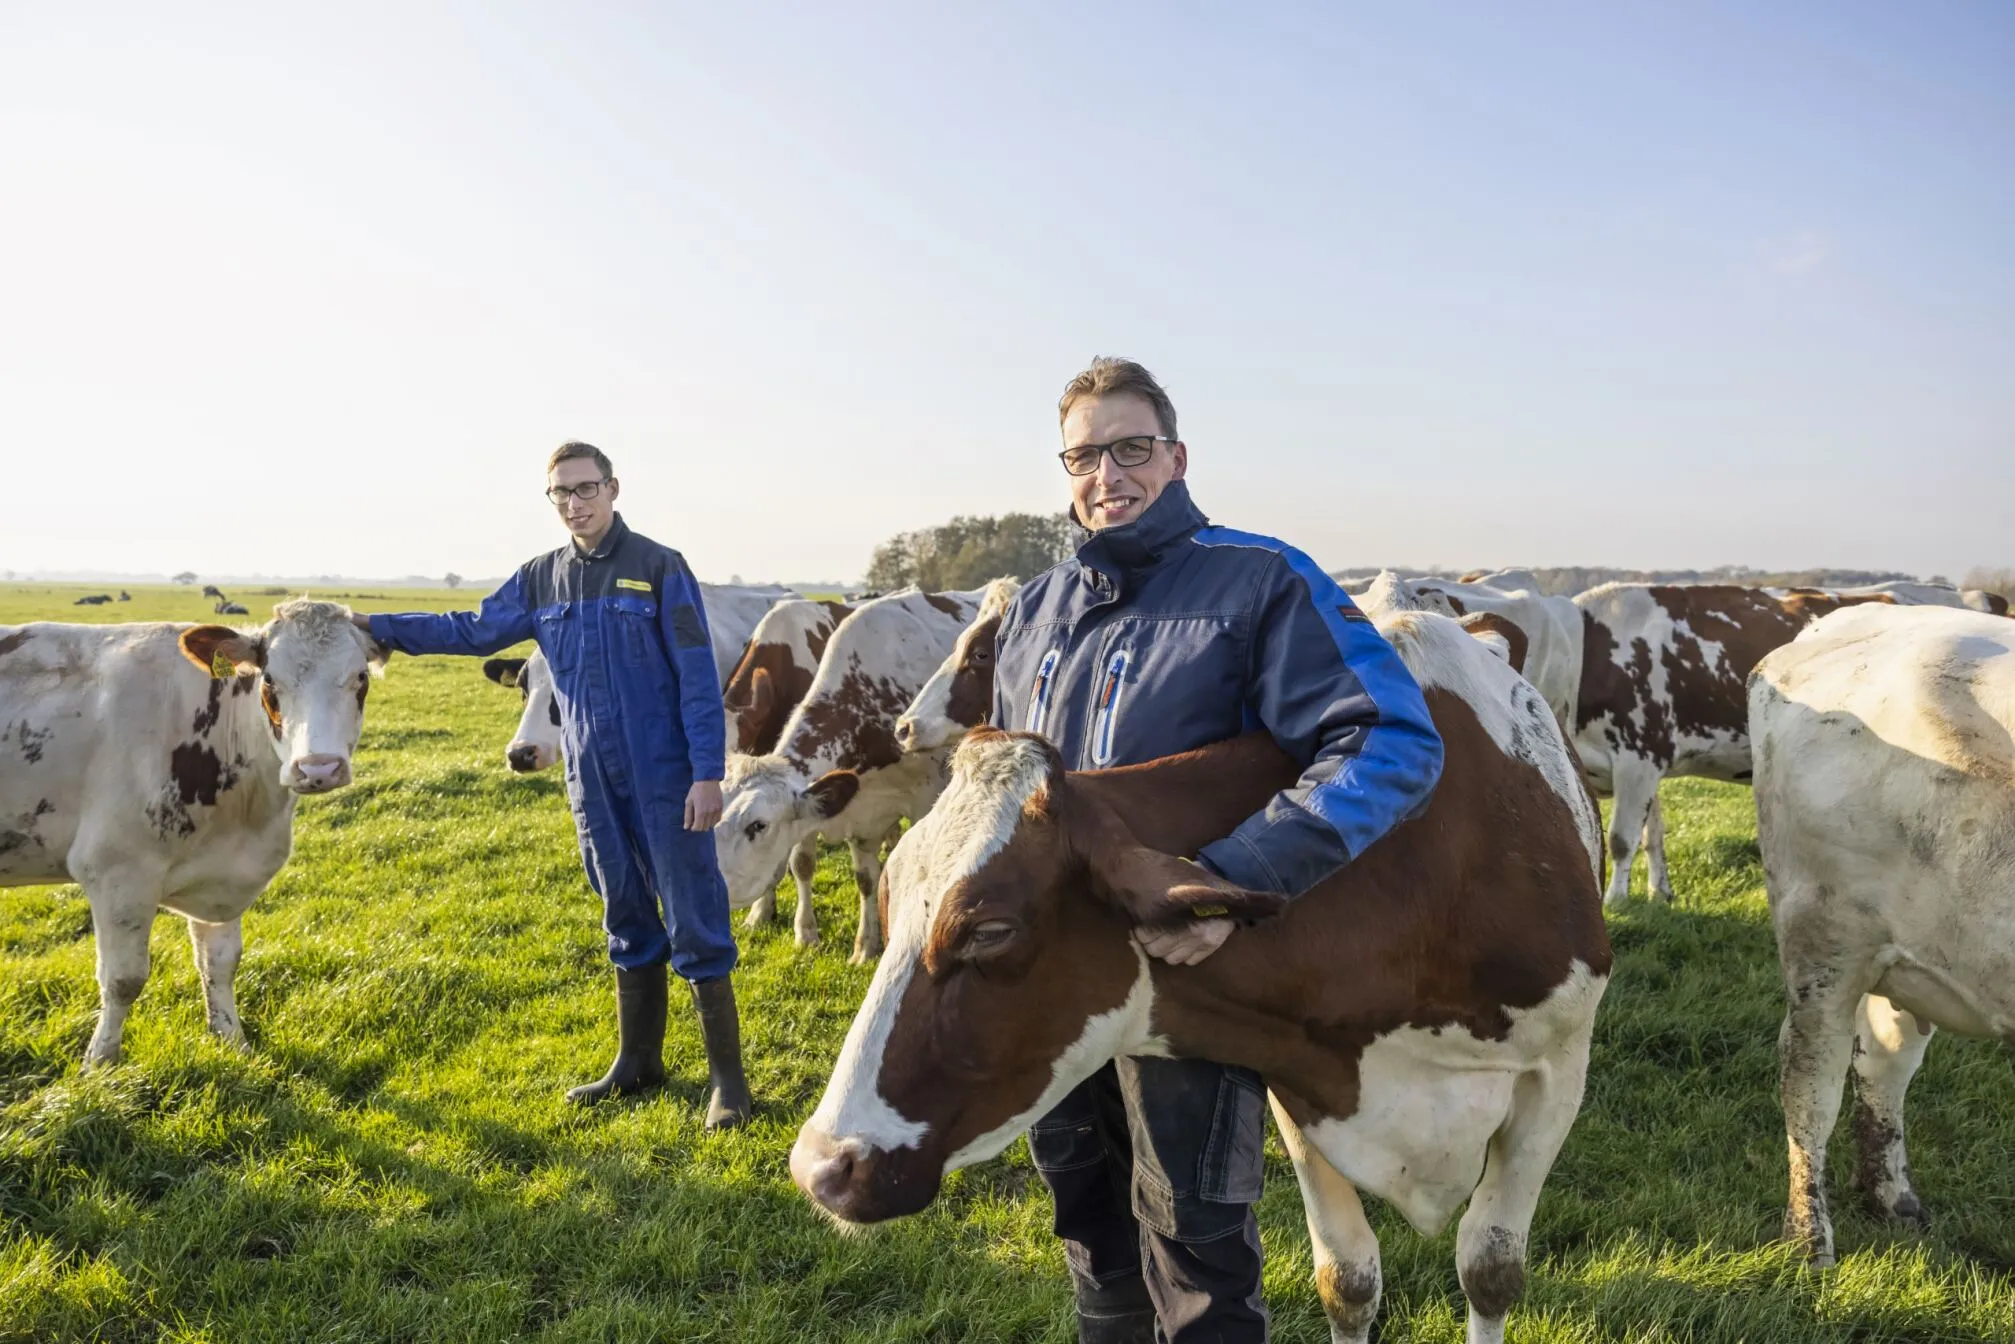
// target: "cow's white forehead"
[[308, 637], [761, 784], [993, 779]]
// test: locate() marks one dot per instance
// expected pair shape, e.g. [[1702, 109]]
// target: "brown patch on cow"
[[33, 741], [363, 689], [1474, 576], [1347, 1293], [196, 777], [764, 688], [1620, 695], [212, 710], [1454, 602], [856, 721], [1709, 688], [269, 700], [946, 605], [1500, 625], [1996, 604], [242, 685], [816, 637], [971, 701], [9, 643]]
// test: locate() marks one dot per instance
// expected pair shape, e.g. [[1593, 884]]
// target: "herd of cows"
[[1423, 1018]]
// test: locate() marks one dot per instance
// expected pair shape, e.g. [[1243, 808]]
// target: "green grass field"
[[392, 1160]]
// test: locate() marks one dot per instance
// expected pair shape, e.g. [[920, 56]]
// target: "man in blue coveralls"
[[620, 620], [1164, 633]]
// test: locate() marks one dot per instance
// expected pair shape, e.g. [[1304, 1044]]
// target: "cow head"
[[537, 743], [767, 808], [959, 696], [1010, 977], [314, 668]]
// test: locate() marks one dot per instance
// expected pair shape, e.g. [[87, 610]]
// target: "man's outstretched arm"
[[505, 619]]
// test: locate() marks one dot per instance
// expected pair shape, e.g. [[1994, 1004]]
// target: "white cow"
[[1885, 801], [837, 770], [1540, 636], [156, 766], [732, 615]]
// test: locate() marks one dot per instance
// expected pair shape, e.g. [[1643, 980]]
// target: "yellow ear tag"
[[221, 667], [1209, 911]]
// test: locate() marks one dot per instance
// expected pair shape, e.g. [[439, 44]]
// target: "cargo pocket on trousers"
[[1062, 1145], [1234, 1161]]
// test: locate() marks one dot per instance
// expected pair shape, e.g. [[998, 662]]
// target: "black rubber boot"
[[640, 1038], [720, 1028]]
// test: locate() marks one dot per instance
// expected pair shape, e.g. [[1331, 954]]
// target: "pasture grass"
[[392, 1160]]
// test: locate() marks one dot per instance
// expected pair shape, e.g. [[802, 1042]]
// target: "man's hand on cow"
[[361, 621], [703, 805], [1185, 944]]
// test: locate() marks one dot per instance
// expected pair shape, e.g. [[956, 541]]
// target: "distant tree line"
[[969, 550]]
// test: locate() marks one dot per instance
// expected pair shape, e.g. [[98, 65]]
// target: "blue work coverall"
[[640, 719], [1158, 637]]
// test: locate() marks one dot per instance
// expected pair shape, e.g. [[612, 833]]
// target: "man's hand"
[[703, 805], [361, 621], [1185, 944]]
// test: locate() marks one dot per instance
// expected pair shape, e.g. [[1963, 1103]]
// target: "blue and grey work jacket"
[[1167, 634], [625, 631]]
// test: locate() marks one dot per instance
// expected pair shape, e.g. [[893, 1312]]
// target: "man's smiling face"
[[1112, 494]]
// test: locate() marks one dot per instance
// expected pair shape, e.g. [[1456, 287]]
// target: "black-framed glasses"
[[586, 490], [1128, 452]]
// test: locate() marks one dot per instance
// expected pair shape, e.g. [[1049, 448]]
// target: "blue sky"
[[315, 291]]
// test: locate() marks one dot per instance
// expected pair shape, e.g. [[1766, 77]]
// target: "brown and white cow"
[[733, 612], [1662, 693], [157, 765], [1545, 634], [772, 679], [1885, 805], [1422, 1018], [959, 697], [837, 770]]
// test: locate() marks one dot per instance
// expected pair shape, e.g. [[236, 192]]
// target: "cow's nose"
[[320, 773], [906, 733], [523, 757], [822, 1168]]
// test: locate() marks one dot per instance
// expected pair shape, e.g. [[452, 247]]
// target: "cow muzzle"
[[857, 1184], [523, 758], [319, 773]]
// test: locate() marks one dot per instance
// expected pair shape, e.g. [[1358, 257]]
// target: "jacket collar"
[[618, 532], [1141, 545]]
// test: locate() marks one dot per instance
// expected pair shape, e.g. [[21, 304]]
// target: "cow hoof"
[[807, 939], [1663, 894], [862, 957], [1817, 1245], [756, 918]]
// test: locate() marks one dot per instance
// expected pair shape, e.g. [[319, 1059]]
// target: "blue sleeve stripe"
[[1377, 779]]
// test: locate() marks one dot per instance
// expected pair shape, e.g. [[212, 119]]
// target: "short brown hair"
[[1109, 376], [567, 452]]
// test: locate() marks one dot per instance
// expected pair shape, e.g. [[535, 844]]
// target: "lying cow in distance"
[[1886, 818], [94, 600], [1422, 1018], [837, 770], [228, 608], [157, 767]]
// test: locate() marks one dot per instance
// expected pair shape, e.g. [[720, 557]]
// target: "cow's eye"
[[990, 934], [755, 828], [982, 656]]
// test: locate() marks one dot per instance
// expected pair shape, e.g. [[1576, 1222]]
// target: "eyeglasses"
[[586, 490], [1130, 452]]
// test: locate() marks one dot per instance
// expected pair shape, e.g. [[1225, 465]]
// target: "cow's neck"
[[1179, 804]]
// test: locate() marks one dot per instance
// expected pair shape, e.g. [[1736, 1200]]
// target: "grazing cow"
[[960, 694], [1885, 805], [837, 770], [1421, 1018], [732, 614], [94, 600], [1662, 676], [154, 784], [211, 590], [775, 671]]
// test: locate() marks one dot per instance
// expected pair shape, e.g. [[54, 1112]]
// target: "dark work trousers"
[[1155, 1165]]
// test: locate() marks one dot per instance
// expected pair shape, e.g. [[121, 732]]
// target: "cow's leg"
[[1636, 782], [1490, 1241], [804, 866], [1344, 1246], [122, 914], [1654, 850], [217, 948], [1813, 1050], [1889, 1044], [867, 872]]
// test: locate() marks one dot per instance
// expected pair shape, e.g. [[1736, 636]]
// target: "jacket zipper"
[[1108, 709], [1038, 696]]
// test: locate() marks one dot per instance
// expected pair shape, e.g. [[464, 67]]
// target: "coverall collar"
[[611, 539], [1113, 556]]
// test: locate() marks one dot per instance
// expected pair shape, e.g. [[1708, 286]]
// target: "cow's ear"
[[506, 672], [827, 795], [1157, 890], [762, 694], [376, 655], [222, 651]]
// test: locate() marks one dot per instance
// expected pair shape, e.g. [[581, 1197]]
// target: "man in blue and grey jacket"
[[620, 619], [1162, 634]]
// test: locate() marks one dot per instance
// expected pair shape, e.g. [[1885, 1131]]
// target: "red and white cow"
[[1662, 693], [1885, 806], [1422, 1018], [156, 766], [837, 770], [772, 679], [960, 694], [733, 612], [1550, 626]]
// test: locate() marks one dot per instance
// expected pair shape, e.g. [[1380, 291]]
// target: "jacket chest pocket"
[[630, 627], [1164, 686], [558, 632]]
